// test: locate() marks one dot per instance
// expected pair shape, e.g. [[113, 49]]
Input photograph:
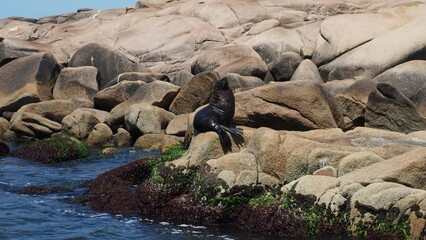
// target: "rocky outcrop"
[[410, 45], [157, 93], [27, 80], [298, 105], [110, 63], [387, 108], [194, 94], [81, 122], [145, 119], [231, 59], [158, 141], [110, 97], [79, 83], [11, 49], [407, 77]]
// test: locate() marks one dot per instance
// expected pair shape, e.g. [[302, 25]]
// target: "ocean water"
[[52, 216]]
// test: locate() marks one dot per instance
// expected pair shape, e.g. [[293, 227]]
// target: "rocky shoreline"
[[329, 95]]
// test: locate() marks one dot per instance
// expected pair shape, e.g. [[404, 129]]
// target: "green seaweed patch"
[[53, 150], [174, 152], [385, 226]]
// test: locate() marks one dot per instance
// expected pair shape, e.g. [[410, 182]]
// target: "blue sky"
[[41, 8]]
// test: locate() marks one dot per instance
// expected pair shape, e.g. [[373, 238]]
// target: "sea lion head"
[[222, 84]]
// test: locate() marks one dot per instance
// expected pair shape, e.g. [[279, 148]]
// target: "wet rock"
[[4, 149], [27, 80], [53, 150], [101, 135], [194, 94], [113, 191], [122, 138], [110, 63], [40, 190], [161, 142]]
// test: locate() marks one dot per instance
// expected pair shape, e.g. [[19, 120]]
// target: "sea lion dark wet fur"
[[217, 116]]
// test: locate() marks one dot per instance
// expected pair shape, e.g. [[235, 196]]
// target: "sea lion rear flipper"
[[225, 141], [238, 132]]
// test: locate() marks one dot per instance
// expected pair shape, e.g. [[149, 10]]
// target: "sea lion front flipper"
[[225, 141]]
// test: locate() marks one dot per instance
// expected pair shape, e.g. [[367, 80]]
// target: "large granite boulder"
[[353, 101], [342, 33], [4, 125], [178, 125], [407, 169], [307, 70], [80, 123], [27, 80], [143, 119], [101, 135], [271, 43], [387, 108], [383, 53], [298, 105], [231, 59], [195, 93], [157, 93], [407, 77], [54, 110], [109, 62], [33, 125], [156, 141], [39, 120], [241, 83], [80, 83], [110, 97], [11, 49]]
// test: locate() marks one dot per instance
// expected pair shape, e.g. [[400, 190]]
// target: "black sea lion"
[[217, 116]]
